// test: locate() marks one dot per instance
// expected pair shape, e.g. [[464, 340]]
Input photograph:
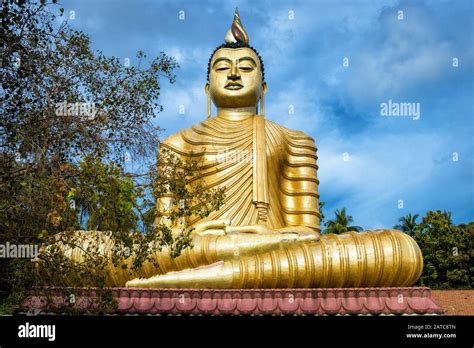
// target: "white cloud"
[[184, 105], [380, 171], [295, 107], [405, 56]]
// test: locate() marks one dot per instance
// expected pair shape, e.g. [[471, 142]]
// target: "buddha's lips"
[[233, 86]]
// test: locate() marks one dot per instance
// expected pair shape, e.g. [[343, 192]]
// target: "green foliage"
[[105, 195], [448, 250], [408, 224], [321, 212], [172, 183], [113, 202], [341, 223], [68, 117], [49, 76]]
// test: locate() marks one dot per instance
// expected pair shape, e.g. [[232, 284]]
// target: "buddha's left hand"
[[263, 229]]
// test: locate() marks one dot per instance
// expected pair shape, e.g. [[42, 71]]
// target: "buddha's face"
[[235, 78]]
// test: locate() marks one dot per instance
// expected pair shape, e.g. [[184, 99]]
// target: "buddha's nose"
[[234, 73]]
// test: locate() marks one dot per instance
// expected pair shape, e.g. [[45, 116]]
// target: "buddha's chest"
[[242, 152]]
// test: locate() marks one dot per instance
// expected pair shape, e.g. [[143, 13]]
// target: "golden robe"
[[268, 171]]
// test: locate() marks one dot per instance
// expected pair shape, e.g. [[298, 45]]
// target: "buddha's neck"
[[236, 114]]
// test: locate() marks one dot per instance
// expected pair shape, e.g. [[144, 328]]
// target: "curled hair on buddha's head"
[[236, 45]]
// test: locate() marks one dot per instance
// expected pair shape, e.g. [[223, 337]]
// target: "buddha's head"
[[235, 76]]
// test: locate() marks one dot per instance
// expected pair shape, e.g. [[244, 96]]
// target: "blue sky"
[[368, 163]]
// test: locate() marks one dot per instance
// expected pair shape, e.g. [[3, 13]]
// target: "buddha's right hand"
[[215, 227], [301, 231], [223, 227], [256, 236]]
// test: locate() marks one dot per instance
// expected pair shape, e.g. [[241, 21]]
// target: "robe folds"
[[269, 172]]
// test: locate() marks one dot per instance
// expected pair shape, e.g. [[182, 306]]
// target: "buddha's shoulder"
[[294, 135], [175, 142], [185, 139]]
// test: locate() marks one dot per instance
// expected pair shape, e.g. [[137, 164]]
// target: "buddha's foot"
[[367, 259]]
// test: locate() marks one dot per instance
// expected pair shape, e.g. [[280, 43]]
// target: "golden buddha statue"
[[266, 233]]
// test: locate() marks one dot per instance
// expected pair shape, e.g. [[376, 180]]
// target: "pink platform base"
[[350, 301]]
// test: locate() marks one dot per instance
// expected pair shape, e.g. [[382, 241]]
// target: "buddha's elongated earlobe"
[[206, 88], [262, 100], [208, 106]]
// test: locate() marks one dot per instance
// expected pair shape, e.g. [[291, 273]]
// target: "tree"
[[448, 251], [69, 119], [408, 224], [341, 223], [62, 99], [103, 196], [60, 103]]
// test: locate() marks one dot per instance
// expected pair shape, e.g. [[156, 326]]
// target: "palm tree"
[[408, 224], [447, 215], [340, 223]]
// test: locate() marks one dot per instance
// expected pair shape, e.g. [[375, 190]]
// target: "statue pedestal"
[[331, 301]]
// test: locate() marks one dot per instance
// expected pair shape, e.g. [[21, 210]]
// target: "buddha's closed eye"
[[246, 68]]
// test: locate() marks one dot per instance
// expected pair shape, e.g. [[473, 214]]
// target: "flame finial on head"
[[237, 33]]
